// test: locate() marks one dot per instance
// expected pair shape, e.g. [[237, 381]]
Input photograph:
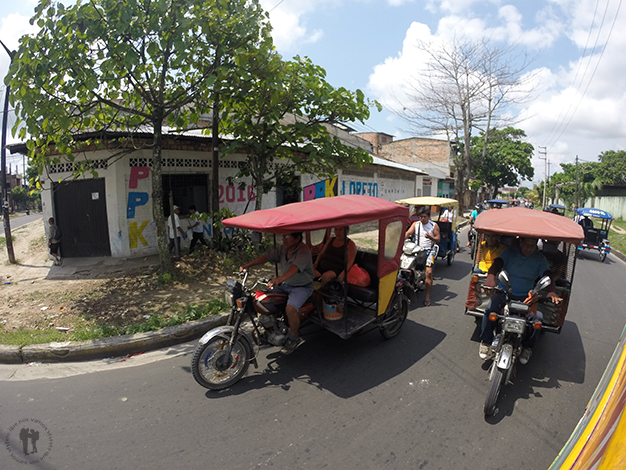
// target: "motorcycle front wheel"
[[214, 369], [494, 390]]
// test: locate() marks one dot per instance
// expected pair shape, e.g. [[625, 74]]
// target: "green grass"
[[192, 312], [3, 240], [618, 241]]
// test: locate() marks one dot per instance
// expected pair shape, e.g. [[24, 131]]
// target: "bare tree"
[[464, 86]]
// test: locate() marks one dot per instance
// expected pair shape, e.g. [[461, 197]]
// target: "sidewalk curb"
[[74, 351], [619, 254]]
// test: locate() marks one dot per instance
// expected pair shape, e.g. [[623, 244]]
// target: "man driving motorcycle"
[[524, 264], [427, 236], [295, 262]]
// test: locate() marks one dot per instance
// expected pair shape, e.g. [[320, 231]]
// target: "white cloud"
[[12, 28], [571, 113], [288, 19]]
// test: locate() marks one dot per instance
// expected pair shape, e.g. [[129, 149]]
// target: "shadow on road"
[[345, 368], [556, 359]]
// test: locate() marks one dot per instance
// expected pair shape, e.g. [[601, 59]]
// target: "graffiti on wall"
[[326, 188], [136, 207], [359, 187], [330, 187]]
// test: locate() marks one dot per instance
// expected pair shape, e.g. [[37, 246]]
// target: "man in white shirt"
[[197, 230], [427, 236], [174, 234]]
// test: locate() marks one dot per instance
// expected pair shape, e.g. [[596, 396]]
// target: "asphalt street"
[[23, 220], [412, 402]]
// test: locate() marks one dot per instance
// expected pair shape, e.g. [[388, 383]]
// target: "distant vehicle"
[[555, 209], [497, 203], [596, 238]]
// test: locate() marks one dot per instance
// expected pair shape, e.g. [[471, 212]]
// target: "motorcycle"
[[223, 354], [513, 324], [413, 265], [471, 239]]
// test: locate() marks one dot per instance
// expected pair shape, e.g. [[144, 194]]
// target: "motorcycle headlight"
[[229, 298], [514, 325], [233, 291]]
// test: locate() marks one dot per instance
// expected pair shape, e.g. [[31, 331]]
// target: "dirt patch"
[[37, 295]]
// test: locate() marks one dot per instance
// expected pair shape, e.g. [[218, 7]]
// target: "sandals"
[[426, 303]]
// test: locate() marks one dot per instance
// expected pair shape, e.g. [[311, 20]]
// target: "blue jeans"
[[496, 304]]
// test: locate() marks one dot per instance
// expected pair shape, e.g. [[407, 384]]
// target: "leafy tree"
[[465, 87], [504, 160], [563, 185], [612, 167], [20, 196], [126, 65], [283, 114]]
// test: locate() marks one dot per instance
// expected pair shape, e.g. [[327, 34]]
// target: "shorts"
[[298, 295], [430, 261], [54, 248]]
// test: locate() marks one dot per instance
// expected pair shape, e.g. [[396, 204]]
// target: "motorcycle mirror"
[[544, 282], [503, 277]]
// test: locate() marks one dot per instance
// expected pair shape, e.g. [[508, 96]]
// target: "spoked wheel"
[[497, 377], [394, 318], [214, 369]]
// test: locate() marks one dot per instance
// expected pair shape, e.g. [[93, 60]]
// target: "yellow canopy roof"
[[429, 201]]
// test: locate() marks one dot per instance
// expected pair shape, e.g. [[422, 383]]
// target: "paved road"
[[414, 402], [22, 220]]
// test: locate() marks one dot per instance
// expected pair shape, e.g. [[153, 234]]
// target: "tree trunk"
[[258, 183], [215, 156], [165, 260]]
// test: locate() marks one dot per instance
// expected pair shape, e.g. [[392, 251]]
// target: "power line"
[[593, 74], [593, 20], [276, 6]]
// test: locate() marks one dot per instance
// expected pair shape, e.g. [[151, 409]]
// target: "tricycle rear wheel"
[[602, 253], [394, 318]]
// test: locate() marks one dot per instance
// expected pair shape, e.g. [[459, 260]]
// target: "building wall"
[[129, 200], [418, 149], [371, 180], [614, 205]]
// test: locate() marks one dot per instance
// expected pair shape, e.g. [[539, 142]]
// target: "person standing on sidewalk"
[[197, 231], [54, 241], [174, 232]]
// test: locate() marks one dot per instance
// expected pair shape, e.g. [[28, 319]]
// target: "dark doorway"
[[288, 190], [81, 214], [187, 190]]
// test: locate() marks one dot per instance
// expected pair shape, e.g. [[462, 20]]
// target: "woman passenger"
[[330, 262]]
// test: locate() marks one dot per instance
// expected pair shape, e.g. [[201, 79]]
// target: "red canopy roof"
[[318, 214], [529, 223]]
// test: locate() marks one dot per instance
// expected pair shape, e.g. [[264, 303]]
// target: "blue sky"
[[579, 91]]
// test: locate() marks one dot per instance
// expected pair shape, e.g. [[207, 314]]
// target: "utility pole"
[[3, 167], [548, 180], [545, 172], [577, 203]]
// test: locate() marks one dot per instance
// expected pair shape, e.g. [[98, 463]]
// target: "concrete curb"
[[619, 254], [73, 351]]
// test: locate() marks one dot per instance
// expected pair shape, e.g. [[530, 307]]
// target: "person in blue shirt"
[[524, 265], [478, 208]]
